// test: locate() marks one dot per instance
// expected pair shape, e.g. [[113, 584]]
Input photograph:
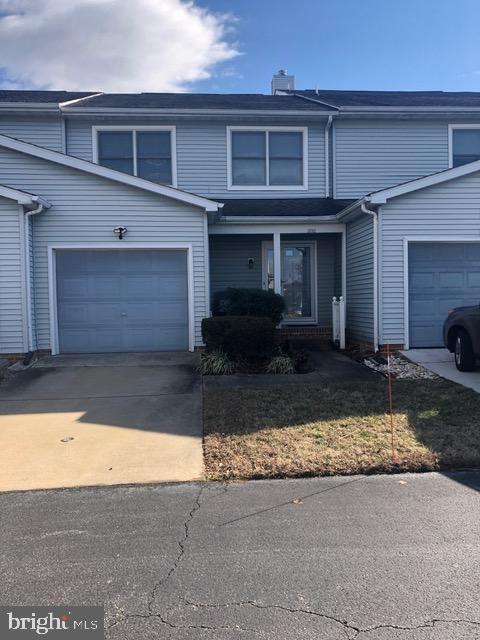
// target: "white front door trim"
[[268, 244], [52, 279]]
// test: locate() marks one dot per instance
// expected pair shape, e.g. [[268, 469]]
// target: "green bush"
[[281, 364], [249, 302], [216, 363], [240, 337]]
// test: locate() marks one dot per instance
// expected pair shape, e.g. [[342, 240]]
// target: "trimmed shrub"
[[281, 364], [240, 336], [249, 302], [216, 363]]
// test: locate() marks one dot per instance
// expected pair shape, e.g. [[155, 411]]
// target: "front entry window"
[[297, 279]]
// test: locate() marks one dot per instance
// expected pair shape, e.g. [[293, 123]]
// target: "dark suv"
[[461, 336]]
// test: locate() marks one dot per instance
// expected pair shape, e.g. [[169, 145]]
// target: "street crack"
[[181, 552]]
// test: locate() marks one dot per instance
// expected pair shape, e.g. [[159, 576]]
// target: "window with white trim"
[[465, 145], [144, 153], [267, 158]]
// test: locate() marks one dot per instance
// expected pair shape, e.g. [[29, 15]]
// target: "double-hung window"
[[267, 158], [465, 144], [148, 153]]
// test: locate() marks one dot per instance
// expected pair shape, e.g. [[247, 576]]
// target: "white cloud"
[[111, 45]]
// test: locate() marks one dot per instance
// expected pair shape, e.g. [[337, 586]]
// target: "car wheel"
[[464, 356]]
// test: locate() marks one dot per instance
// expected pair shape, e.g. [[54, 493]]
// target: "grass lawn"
[[297, 430]]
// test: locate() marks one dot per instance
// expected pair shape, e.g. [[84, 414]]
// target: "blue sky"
[[345, 44], [236, 45]]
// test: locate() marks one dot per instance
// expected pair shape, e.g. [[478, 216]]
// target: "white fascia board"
[[381, 197], [67, 103], [430, 110], [109, 174], [271, 227], [22, 197], [111, 111]]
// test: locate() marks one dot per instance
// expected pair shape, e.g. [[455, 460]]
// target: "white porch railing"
[[338, 321]]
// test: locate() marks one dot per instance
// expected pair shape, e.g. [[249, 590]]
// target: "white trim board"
[[52, 280], [406, 300], [110, 174], [451, 128], [267, 187], [294, 227], [134, 129], [21, 197]]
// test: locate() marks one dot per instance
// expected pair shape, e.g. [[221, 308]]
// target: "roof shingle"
[[341, 99], [298, 207]]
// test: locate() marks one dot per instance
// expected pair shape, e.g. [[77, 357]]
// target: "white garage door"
[[122, 300], [442, 275]]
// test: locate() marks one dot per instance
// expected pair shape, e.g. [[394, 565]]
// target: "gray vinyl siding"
[[448, 211], [86, 208], [373, 155], [229, 256], [44, 132], [11, 280], [202, 156], [359, 302]]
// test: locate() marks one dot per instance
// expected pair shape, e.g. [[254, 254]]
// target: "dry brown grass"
[[299, 430]]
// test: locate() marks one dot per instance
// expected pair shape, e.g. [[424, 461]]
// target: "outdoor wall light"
[[251, 263], [120, 232]]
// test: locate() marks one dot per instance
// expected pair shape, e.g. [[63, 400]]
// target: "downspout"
[[328, 126], [41, 205], [374, 216]]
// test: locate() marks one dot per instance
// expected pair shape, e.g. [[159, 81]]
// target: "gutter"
[[374, 216], [326, 142], [41, 205]]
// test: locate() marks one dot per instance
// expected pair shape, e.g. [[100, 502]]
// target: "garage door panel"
[[122, 300], [449, 279], [70, 287], [473, 279], [442, 275], [423, 280]]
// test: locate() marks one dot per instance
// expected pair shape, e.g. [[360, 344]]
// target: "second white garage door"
[[122, 300]]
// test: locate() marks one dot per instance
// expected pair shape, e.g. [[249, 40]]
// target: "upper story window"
[[273, 158], [148, 153], [465, 145]]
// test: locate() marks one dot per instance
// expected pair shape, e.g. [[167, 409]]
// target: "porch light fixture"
[[120, 232]]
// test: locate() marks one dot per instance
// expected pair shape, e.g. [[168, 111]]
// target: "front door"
[[297, 278]]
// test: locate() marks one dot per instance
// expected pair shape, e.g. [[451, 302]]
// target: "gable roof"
[[169, 101], [22, 197], [382, 196], [220, 101], [110, 174], [44, 97], [340, 99], [278, 207]]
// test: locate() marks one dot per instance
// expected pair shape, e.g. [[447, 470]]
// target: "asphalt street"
[[378, 557]]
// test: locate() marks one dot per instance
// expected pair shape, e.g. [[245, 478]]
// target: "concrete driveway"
[[441, 362], [101, 420]]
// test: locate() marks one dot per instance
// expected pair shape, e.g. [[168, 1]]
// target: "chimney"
[[282, 82]]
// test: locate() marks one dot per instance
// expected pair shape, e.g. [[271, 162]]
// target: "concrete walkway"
[[441, 362], [330, 367], [101, 420]]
